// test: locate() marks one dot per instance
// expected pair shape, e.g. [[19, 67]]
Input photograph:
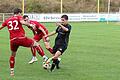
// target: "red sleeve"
[[37, 24], [42, 26]]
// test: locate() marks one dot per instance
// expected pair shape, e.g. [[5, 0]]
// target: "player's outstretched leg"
[[52, 67], [50, 50], [34, 58], [55, 60], [55, 63], [40, 51], [47, 45]]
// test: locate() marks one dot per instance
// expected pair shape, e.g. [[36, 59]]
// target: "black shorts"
[[61, 48]]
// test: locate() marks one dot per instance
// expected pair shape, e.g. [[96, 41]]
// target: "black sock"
[[56, 62], [52, 67]]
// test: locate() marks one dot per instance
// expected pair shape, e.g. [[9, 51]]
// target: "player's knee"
[[35, 44], [13, 54], [55, 57], [47, 47]]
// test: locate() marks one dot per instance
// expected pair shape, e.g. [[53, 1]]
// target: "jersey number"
[[11, 25]]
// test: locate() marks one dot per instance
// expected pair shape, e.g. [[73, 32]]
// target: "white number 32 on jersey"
[[15, 27]]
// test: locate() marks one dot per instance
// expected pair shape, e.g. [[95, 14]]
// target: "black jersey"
[[63, 36]]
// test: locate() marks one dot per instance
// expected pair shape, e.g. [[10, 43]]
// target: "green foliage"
[[53, 6]]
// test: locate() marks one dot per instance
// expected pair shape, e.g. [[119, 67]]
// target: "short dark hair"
[[25, 16], [17, 10], [65, 17]]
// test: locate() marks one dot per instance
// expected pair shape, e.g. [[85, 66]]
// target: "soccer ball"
[[46, 65]]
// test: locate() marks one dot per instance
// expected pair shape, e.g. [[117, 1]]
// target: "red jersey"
[[14, 26], [37, 25]]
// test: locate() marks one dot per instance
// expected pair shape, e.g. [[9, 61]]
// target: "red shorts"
[[20, 41], [38, 37]]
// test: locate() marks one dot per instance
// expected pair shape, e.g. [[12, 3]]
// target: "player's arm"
[[63, 27], [43, 31], [51, 33], [2, 27]]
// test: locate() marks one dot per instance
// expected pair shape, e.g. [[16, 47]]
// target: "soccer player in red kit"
[[18, 38], [39, 32]]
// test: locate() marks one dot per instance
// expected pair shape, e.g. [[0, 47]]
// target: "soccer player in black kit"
[[61, 42]]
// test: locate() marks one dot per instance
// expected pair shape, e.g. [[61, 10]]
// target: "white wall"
[[76, 17]]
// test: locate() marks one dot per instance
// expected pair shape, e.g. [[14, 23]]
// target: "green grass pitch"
[[93, 54]]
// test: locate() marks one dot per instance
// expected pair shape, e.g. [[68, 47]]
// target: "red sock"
[[33, 50], [40, 50], [50, 50], [12, 61]]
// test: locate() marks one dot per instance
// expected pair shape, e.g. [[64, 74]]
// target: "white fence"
[[4, 16], [76, 17]]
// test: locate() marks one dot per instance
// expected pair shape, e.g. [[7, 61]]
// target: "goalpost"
[[108, 11], [22, 7], [61, 6], [98, 6]]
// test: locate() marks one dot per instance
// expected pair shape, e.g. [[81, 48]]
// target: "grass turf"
[[93, 54]]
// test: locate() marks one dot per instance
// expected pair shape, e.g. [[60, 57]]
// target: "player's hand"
[[45, 38], [58, 24], [1, 27]]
